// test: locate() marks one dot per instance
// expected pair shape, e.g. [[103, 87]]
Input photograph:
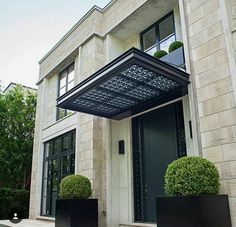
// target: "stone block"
[[208, 48], [208, 123], [195, 15], [217, 73], [230, 187], [228, 169], [217, 104], [215, 89], [205, 35], [227, 118], [213, 154], [229, 151]]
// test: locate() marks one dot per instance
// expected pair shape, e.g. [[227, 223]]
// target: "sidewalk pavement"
[[27, 223]]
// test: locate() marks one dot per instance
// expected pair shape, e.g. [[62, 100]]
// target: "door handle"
[[145, 192]]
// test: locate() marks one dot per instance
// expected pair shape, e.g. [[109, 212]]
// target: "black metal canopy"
[[130, 84]]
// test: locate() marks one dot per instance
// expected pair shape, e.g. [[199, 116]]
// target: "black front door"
[[158, 139]]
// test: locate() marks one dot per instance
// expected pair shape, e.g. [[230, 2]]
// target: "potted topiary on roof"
[[192, 200], [160, 53], [175, 45], [73, 208]]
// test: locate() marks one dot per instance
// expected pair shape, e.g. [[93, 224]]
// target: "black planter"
[[193, 211], [175, 57], [76, 213]]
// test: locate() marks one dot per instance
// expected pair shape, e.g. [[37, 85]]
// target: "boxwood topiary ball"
[[159, 54], [75, 187], [191, 176], [175, 45]]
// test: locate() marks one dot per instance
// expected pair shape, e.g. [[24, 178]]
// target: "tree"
[[1, 86], [17, 117]]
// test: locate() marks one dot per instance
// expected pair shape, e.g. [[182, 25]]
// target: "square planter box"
[[175, 57], [193, 211], [76, 213]]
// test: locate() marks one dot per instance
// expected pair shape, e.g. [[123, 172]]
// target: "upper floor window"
[[66, 82], [66, 79], [159, 36]]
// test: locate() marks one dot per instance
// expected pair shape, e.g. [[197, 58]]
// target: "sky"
[[29, 29]]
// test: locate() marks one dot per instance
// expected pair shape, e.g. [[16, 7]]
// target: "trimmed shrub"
[[191, 176], [10, 198], [175, 45], [160, 53], [75, 187]]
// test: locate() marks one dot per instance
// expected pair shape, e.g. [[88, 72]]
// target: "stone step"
[[138, 225]]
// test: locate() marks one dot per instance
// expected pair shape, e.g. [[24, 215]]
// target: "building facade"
[[199, 120]]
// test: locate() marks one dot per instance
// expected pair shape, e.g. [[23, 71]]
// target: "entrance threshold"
[[138, 225]]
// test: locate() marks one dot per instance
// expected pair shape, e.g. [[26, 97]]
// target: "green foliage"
[[10, 198], [175, 45], [75, 187], [17, 117], [191, 176], [159, 54]]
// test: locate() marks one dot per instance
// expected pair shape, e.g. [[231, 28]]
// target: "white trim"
[[157, 107], [193, 105]]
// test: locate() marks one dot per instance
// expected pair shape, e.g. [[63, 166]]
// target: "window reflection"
[[160, 35]]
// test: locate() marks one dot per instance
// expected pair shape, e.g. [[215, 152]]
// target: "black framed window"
[[58, 162], [66, 82], [159, 35]]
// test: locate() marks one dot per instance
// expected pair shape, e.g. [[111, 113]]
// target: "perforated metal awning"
[[130, 84]]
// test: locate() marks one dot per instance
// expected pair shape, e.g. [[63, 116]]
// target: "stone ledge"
[[44, 218], [138, 225]]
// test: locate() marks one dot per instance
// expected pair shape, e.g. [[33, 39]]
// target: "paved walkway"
[[27, 223]]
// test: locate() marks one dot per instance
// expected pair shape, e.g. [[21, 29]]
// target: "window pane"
[[71, 76], [64, 165], [69, 112], [65, 143], [149, 39], [61, 113], [152, 50], [71, 85], [166, 43], [54, 168], [166, 27], [72, 163], [50, 148], [73, 141], [62, 91], [63, 81], [53, 205], [54, 183], [57, 145]]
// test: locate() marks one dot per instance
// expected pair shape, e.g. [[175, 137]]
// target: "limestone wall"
[[211, 72]]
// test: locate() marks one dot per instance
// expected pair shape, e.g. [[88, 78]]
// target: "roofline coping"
[[94, 8]]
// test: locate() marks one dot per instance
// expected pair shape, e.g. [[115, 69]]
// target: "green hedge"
[[10, 198]]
